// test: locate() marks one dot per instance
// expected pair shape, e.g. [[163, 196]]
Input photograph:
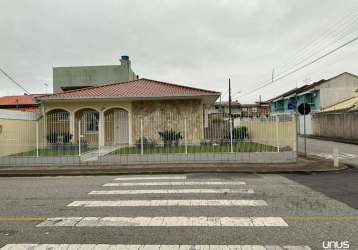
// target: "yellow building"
[[117, 114]]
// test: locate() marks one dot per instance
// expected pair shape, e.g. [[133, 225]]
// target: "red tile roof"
[[17, 100], [141, 88]]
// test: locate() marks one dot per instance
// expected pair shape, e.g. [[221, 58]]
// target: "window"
[[91, 119]]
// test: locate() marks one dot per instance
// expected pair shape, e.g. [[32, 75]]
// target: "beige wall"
[[264, 131], [338, 89], [165, 115], [17, 136]]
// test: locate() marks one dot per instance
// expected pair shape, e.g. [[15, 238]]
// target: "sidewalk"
[[301, 166]]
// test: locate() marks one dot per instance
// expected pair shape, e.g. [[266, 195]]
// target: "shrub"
[[59, 137], [147, 143], [239, 133], [170, 136]]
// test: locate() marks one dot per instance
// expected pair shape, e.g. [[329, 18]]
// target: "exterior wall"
[[90, 75], [17, 132], [165, 115], [158, 115], [338, 89], [336, 125]]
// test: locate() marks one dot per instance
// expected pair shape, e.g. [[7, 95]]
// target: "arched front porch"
[[58, 126], [87, 126], [116, 127]]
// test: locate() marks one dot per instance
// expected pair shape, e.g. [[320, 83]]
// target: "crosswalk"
[[126, 194]]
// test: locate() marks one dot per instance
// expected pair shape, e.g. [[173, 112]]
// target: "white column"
[[37, 138], [185, 140], [277, 135], [72, 126], [79, 137], [141, 137], [231, 148], [101, 129]]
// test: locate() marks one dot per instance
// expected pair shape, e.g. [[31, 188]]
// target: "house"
[[69, 78], [257, 109], [318, 95], [20, 103], [119, 113]]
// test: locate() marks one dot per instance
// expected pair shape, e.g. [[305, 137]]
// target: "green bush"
[[147, 143], [239, 133], [170, 137]]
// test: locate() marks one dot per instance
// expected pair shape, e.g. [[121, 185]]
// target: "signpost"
[[303, 109]]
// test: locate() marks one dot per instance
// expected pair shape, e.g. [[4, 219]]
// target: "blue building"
[[318, 95]]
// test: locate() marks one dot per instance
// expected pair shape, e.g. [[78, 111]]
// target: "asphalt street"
[[249, 211], [348, 153]]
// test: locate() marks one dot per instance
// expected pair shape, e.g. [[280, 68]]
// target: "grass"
[[53, 152], [238, 147]]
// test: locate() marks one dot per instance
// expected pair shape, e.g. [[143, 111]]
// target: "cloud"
[[201, 43]]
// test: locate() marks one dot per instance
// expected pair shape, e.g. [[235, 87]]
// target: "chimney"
[[125, 62]]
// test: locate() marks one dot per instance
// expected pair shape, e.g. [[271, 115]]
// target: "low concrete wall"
[[35, 161], [336, 125], [255, 157]]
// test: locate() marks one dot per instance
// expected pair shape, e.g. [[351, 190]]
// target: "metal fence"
[[117, 138]]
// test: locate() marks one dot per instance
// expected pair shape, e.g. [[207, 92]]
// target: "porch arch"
[[58, 126], [116, 127], [87, 119]]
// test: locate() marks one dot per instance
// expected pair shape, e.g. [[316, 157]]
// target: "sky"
[[195, 43]]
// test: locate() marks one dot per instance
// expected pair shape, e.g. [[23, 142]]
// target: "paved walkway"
[[348, 153]]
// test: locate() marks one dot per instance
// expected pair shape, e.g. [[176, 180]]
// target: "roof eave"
[[129, 98]]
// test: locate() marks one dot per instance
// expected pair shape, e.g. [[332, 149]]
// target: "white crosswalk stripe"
[[167, 184], [158, 203], [145, 177], [174, 183], [173, 191], [164, 222], [147, 247]]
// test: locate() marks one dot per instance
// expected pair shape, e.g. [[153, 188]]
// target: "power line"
[[309, 50], [15, 82], [302, 67], [342, 24]]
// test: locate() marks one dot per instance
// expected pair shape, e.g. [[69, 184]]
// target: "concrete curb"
[[162, 170]]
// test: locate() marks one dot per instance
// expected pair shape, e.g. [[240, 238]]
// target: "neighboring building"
[[318, 95], [258, 109], [70, 78], [338, 121], [20, 103], [115, 114]]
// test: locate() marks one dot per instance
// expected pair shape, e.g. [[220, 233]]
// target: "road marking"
[[174, 183], [144, 247], [164, 222], [164, 203], [175, 191], [321, 218], [161, 177], [22, 218]]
